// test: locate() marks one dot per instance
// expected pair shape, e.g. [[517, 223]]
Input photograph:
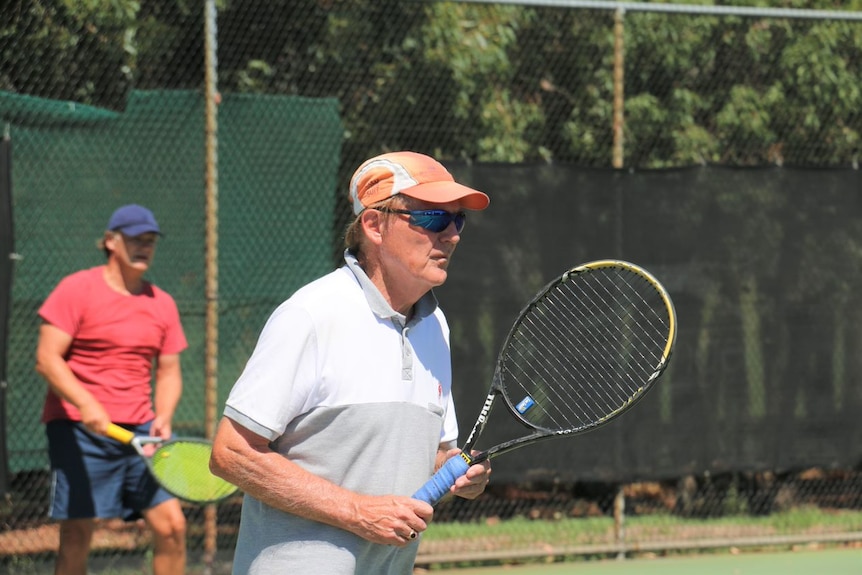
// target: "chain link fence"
[[105, 103]]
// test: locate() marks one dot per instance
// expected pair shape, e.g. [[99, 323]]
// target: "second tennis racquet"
[[180, 465]]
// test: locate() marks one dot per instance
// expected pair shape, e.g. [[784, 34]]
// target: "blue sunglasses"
[[432, 220]]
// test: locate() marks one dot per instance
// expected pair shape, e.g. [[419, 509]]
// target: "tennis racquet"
[[180, 465], [583, 351]]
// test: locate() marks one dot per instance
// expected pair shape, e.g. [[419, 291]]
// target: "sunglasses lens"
[[460, 219], [438, 220]]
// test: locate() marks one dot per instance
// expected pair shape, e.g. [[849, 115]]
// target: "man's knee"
[[168, 523]]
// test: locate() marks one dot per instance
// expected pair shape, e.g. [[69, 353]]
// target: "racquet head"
[[586, 348], [181, 466]]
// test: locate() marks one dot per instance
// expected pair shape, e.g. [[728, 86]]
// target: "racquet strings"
[[182, 467], [587, 348]]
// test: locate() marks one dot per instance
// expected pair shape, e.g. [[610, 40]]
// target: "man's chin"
[[439, 277]]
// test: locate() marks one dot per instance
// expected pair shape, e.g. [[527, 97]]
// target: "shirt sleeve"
[[280, 376], [63, 308]]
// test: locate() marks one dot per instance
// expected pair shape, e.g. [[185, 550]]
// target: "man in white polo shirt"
[[345, 407]]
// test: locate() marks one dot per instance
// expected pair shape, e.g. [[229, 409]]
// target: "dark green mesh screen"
[[277, 211], [75, 164]]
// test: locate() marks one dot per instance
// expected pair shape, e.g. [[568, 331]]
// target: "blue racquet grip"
[[439, 484]]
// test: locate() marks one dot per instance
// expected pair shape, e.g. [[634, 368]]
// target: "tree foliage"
[[480, 81]]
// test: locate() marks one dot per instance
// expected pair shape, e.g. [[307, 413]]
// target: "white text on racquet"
[[483, 415]]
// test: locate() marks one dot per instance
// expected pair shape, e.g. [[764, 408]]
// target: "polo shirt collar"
[[426, 305]]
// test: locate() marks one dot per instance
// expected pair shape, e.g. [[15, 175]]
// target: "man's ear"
[[373, 223], [110, 240]]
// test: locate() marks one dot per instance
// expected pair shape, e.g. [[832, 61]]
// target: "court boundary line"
[[621, 549]]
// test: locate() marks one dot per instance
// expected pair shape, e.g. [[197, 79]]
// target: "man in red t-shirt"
[[103, 330]]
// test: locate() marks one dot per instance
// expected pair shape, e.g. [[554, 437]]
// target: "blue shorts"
[[93, 476]]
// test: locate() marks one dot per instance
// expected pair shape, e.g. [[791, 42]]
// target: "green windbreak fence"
[[72, 165]]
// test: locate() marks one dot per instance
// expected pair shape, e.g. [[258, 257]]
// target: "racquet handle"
[[439, 484], [121, 434]]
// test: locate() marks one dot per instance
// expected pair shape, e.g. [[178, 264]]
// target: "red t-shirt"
[[115, 339]]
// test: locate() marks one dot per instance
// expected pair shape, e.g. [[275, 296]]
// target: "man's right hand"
[[390, 519]]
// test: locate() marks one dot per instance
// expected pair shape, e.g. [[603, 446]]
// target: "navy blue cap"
[[133, 220]]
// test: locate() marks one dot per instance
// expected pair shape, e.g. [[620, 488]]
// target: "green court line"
[[826, 562]]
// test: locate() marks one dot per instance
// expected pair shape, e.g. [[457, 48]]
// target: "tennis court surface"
[[810, 562]]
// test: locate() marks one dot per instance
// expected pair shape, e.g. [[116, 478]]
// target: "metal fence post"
[[211, 336]]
